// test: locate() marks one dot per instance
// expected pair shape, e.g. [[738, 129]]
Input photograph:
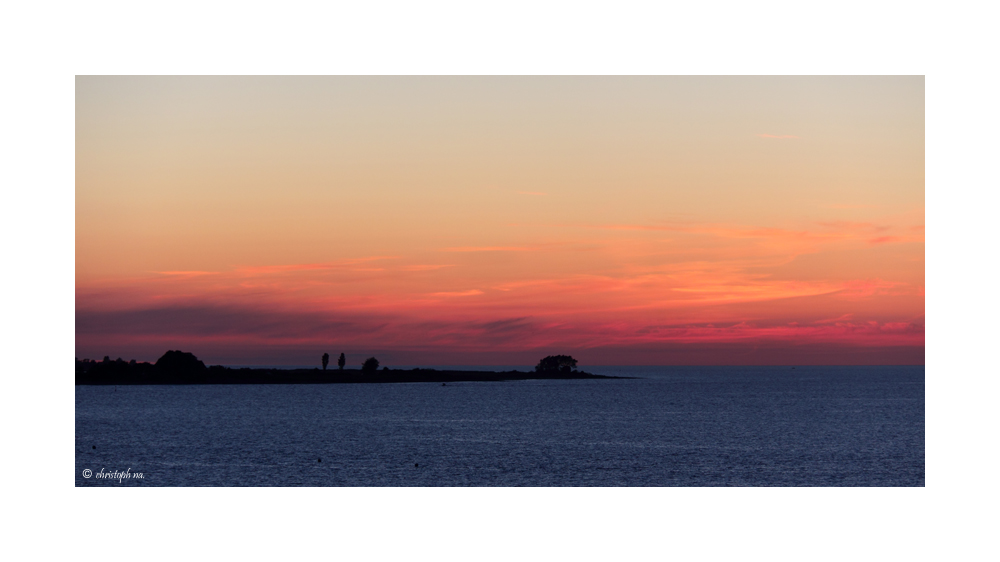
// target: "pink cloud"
[[850, 225], [268, 269], [245, 331], [187, 273], [845, 207], [425, 267], [464, 249], [884, 240], [469, 293], [841, 318], [783, 239], [871, 287]]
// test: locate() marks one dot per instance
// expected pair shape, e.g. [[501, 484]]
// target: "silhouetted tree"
[[556, 364], [326, 360], [341, 362], [179, 361], [181, 367], [370, 365]]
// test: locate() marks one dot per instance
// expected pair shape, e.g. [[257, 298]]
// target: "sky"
[[496, 220]]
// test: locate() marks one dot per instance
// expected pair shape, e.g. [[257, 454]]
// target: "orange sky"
[[494, 220]]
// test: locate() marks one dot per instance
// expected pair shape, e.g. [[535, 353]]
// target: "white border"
[[46, 44]]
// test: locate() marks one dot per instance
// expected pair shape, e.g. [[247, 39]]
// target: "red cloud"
[[884, 240]]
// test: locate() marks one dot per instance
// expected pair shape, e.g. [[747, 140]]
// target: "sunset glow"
[[468, 220]]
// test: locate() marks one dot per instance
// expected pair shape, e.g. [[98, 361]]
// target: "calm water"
[[677, 426]]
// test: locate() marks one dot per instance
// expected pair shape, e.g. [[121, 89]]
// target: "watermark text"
[[113, 474]]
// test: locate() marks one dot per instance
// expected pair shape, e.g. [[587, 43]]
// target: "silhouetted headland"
[[178, 367]]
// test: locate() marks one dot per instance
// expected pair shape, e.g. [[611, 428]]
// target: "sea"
[[664, 426]]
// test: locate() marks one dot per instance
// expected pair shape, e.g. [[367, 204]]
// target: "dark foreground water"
[[690, 426]]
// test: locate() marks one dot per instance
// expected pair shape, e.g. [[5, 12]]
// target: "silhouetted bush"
[[370, 365], [179, 362], [556, 364], [326, 360], [341, 362]]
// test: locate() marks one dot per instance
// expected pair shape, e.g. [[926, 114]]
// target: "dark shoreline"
[[224, 375]]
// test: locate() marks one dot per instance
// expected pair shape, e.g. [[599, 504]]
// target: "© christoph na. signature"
[[113, 475]]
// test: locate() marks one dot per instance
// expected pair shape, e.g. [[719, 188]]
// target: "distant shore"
[[179, 367], [225, 375]]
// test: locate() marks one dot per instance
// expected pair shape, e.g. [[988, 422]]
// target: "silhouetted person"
[[369, 366], [326, 360], [341, 362]]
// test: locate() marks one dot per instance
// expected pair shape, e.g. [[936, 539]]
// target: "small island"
[[178, 367]]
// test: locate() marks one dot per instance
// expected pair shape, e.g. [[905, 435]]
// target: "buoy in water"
[[93, 447], [415, 465], [319, 460]]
